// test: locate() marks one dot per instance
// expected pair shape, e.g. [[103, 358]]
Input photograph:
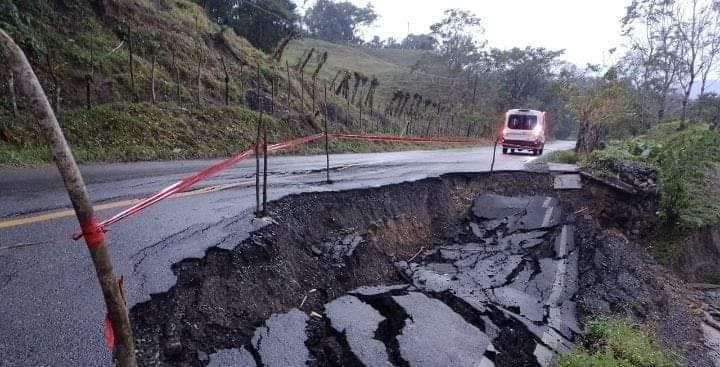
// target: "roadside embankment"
[[504, 259]]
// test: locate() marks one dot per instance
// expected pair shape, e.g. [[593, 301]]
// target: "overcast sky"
[[586, 29]]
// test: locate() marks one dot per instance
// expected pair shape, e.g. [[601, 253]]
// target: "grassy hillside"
[[409, 70], [67, 41], [79, 38]]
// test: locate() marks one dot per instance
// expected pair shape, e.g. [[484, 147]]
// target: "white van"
[[524, 130]]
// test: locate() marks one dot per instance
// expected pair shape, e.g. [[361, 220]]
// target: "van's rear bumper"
[[522, 144]]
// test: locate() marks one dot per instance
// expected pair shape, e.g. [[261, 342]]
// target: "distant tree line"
[[265, 23]]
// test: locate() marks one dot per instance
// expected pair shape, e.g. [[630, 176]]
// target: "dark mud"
[[325, 245]]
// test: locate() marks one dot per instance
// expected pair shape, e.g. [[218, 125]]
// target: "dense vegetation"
[[688, 165], [264, 23]]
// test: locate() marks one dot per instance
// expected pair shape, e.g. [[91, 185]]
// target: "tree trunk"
[[588, 138], [683, 115], [177, 77], [272, 96], [287, 67], [135, 96], [227, 90], [313, 94], [152, 79], [89, 79], [242, 83], [56, 83], [302, 91], [198, 97], [94, 238], [227, 81], [661, 108], [88, 83], [686, 99], [11, 93], [361, 120]]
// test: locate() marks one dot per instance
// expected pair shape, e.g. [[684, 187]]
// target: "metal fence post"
[[265, 152], [258, 208], [327, 145]]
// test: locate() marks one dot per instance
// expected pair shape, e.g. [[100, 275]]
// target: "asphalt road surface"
[[51, 307]]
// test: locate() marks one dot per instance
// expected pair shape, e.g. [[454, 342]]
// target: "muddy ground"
[[325, 246]]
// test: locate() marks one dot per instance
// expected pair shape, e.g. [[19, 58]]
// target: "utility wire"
[[266, 11]]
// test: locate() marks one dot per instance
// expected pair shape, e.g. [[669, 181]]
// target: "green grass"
[[126, 132], [393, 68], [618, 343], [132, 132], [71, 32], [352, 146]]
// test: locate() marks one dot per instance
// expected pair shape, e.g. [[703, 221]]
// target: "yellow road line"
[[118, 204], [61, 214]]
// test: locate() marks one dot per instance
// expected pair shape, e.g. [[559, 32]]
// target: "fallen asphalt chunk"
[[437, 336], [358, 321], [567, 182], [492, 206], [232, 358], [375, 290], [281, 341]]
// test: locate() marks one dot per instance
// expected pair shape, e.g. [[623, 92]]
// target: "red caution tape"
[[403, 139], [93, 233], [186, 183]]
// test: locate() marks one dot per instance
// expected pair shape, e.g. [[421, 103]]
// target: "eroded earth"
[[459, 271]]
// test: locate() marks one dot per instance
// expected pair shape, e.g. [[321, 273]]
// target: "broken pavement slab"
[[375, 290], [492, 206], [358, 321], [232, 358], [524, 213], [536, 217], [281, 341], [526, 268], [437, 336], [567, 182], [712, 341], [563, 167]]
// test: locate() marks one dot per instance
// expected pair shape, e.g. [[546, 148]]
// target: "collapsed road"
[[51, 308], [505, 277], [404, 274], [462, 270]]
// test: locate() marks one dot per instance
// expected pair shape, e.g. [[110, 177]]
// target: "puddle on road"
[[462, 270]]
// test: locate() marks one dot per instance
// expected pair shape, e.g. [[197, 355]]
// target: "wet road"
[[51, 307]]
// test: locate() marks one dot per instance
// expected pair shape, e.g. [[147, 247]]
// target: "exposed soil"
[[325, 245]]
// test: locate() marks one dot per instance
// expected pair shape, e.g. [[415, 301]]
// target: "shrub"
[[617, 343]]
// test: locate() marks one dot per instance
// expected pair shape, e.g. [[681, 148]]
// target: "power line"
[[266, 11]]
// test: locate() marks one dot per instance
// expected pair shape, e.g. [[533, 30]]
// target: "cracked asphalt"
[[51, 307], [513, 275]]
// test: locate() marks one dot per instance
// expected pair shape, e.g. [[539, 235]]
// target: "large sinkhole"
[[461, 270]]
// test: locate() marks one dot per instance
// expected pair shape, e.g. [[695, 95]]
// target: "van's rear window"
[[522, 122]]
